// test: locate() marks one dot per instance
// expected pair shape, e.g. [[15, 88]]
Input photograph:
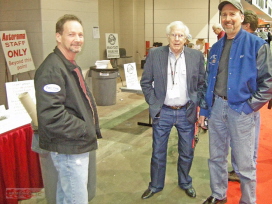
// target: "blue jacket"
[[249, 84]]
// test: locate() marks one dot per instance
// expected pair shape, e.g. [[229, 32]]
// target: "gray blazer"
[[155, 70]]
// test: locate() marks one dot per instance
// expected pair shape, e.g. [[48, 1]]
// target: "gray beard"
[[75, 51]]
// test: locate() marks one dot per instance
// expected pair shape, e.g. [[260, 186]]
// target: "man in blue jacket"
[[250, 24], [239, 83]]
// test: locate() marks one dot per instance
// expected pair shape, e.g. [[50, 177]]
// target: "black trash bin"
[[104, 85]]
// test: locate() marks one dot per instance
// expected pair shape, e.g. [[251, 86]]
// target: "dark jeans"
[[161, 131]]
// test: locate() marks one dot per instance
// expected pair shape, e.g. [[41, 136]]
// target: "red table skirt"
[[20, 170]]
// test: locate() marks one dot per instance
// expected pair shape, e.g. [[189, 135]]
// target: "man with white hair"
[[218, 30], [172, 83]]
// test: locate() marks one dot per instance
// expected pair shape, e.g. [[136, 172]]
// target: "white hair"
[[217, 25], [178, 24]]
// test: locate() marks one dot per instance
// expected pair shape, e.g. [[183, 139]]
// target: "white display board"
[[14, 89], [131, 76], [112, 45], [17, 115], [16, 51]]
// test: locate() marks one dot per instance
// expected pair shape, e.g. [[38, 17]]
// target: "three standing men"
[[67, 114], [239, 83]]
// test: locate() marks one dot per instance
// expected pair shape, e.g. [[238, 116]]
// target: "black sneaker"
[[232, 176]]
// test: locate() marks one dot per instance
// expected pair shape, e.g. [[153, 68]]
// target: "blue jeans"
[[229, 128], [161, 129], [257, 132], [72, 177]]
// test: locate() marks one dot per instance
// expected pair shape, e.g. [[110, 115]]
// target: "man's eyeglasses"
[[174, 36]]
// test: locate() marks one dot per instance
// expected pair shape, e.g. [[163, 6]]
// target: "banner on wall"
[[17, 52], [112, 45]]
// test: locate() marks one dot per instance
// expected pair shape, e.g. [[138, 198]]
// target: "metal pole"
[[209, 16]]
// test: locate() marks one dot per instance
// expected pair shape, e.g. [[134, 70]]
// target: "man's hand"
[[269, 104], [201, 122]]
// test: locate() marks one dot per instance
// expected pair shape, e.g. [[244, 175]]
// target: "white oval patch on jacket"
[[52, 88]]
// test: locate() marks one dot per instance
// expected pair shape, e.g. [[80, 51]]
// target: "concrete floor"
[[123, 157]]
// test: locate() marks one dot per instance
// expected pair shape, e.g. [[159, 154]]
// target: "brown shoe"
[[232, 176], [212, 200]]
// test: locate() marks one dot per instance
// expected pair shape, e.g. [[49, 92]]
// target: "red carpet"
[[264, 164]]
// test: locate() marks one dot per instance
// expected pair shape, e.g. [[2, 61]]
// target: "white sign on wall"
[[17, 52], [112, 45]]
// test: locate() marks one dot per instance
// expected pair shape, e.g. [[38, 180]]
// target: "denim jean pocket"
[[156, 120]]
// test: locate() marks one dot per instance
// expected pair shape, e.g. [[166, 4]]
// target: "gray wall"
[[38, 18], [126, 18], [195, 14]]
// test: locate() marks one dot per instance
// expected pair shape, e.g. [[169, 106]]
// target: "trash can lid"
[[93, 68]]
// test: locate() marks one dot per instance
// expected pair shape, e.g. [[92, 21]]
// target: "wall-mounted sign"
[[16, 50], [96, 32], [112, 45]]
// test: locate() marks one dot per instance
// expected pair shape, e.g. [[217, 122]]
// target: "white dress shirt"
[[176, 94]]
